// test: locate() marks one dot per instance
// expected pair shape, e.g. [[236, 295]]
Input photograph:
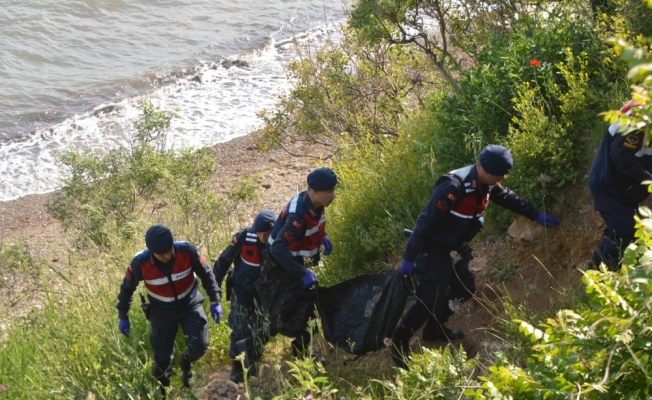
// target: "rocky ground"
[[534, 266]]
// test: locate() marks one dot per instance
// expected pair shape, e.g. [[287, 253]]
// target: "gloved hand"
[[216, 312], [407, 267], [123, 326], [328, 246], [547, 220], [308, 279]]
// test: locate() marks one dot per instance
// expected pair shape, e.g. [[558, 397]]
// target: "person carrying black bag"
[[295, 246], [245, 252], [452, 217]]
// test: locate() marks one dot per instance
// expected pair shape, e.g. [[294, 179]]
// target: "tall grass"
[[69, 346]]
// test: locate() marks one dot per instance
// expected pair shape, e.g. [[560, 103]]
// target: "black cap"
[[496, 160], [264, 221], [322, 179], [159, 239]]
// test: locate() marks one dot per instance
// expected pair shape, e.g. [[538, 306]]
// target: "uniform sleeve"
[[293, 230], [504, 197], [201, 268], [623, 154], [444, 198], [227, 257], [133, 276]]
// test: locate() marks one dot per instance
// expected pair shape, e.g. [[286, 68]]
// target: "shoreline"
[[281, 176]]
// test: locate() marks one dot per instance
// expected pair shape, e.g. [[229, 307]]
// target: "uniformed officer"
[[295, 245], [623, 162], [168, 269], [452, 217], [246, 254]]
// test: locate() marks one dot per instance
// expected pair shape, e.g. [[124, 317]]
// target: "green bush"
[[19, 275], [346, 90], [110, 197], [433, 374], [600, 350], [382, 189]]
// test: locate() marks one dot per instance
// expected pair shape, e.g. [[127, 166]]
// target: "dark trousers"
[[618, 234], [165, 324], [245, 318], [439, 282]]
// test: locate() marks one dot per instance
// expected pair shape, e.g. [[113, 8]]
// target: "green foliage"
[[109, 197], [548, 134], [346, 90], [600, 350], [19, 274], [382, 189], [503, 272], [74, 348], [433, 374]]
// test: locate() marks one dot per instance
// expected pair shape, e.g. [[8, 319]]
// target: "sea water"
[[72, 73]]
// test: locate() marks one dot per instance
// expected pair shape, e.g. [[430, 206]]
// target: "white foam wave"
[[215, 103]]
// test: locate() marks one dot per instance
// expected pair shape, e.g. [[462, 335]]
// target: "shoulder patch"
[[235, 240], [287, 235], [451, 197], [442, 205], [296, 224], [631, 141]]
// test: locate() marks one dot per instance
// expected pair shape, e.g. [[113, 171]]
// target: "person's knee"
[[197, 353]]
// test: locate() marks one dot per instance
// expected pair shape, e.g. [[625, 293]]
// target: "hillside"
[[533, 266]]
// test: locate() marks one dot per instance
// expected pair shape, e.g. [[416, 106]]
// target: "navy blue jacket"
[[182, 250], [298, 232], [453, 213], [623, 162], [245, 253]]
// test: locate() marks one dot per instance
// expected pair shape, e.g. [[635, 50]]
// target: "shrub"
[[434, 374], [600, 350], [109, 197], [382, 189]]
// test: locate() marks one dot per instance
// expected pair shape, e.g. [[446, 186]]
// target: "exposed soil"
[[535, 270]]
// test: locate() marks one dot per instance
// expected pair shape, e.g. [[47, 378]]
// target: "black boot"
[[248, 347], [237, 374], [186, 370], [433, 332], [401, 346]]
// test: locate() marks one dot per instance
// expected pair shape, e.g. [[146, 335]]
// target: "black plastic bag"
[[358, 314], [286, 302]]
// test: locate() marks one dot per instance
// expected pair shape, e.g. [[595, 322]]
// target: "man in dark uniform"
[[623, 162], [246, 254], [452, 217], [168, 269], [295, 245]]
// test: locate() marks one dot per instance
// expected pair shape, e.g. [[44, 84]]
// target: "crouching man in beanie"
[[245, 319], [295, 246], [452, 217], [168, 269]]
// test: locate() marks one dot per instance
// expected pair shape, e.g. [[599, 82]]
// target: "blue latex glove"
[[547, 220], [308, 279], [216, 312], [407, 267], [123, 326], [328, 246]]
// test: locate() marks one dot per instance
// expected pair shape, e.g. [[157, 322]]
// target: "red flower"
[[534, 63]]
